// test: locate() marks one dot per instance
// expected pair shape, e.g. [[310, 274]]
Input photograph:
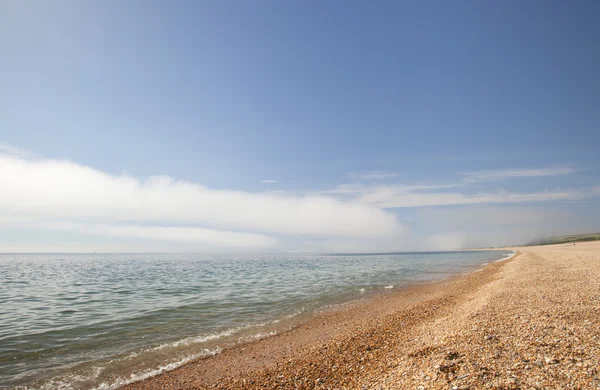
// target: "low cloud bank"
[[88, 210], [50, 190]]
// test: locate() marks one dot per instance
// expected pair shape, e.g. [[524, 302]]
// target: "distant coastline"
[[569, 239]]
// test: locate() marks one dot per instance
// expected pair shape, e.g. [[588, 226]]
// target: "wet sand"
[[529, 322]]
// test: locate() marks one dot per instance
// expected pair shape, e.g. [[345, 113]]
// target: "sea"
[[100, 321]]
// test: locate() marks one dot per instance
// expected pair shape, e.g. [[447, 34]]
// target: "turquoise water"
[[79, 321]]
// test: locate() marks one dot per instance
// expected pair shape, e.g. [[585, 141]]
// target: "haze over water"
[[101, 320]]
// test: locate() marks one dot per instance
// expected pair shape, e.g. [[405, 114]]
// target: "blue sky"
[[415, 125]]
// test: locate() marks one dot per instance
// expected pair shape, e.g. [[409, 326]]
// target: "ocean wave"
[[153, 372], [209, 337], [296, 313], [74, 380], [507, 257], [257, 336]]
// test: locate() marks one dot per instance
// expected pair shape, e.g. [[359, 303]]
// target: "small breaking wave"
[[153, 372], [507, 257], [85, 376]]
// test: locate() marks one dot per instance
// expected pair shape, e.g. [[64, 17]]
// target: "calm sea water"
[[77, 321]]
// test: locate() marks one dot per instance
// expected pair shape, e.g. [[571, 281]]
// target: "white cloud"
[[421, 195], [446, 241], [15, 151], [358, 188], [109, 212], [211, 237], [476, 216], [373, 175], [510, 224], [49, 190], [501, 174], [409, 242], [391, 197], [269, 181]]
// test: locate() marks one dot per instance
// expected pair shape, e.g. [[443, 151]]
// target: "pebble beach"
[[529, 322]]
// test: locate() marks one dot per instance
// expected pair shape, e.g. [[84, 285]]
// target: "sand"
[[531, 322]]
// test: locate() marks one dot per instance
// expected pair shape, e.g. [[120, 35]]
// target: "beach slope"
[[529, 322]]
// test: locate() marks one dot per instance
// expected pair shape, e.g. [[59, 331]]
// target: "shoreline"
[[180, 341], [318, 330], [528, 322]]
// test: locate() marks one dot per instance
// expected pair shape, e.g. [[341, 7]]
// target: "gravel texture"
[[531, 322]]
